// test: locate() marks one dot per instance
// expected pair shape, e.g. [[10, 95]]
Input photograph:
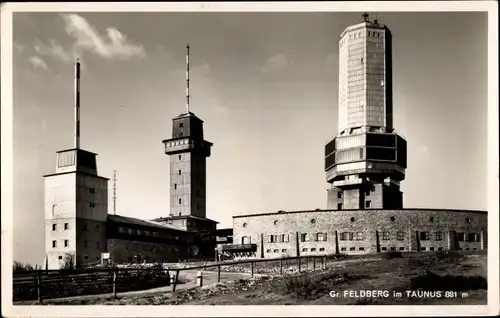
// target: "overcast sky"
[[266, 86]]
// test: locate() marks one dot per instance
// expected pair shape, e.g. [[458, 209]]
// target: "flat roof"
[[320, 210], [135, 221]]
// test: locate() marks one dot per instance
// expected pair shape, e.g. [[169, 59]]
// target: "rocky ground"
[[464, 274]]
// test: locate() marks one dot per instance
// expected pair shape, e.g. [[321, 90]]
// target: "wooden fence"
[[45, 284]]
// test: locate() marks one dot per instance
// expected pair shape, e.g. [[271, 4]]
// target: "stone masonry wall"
[[372, 231]]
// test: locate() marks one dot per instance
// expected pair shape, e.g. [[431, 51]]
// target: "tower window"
[[66, 243], [60, 257], [181, 125], [175, 186], [66, 226], [54, 243], [368, 204], [179, 172], [339, 206], [180, 201], [180, 157], [54, 227]]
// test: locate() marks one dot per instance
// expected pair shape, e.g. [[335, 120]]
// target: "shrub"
[[393, 254], [18, 267], [68, 261]]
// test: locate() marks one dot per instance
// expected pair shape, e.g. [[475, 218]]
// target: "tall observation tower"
[[366, 161], [188, 152]]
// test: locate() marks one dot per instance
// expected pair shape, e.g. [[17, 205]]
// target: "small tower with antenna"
[[188, 151], [76, 201]]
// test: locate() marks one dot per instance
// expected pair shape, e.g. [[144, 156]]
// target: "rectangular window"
[[92, 190], [461, 237], [121, 229], [304, 237], [180, 157], [85, 243], [339, 195], [66, 226], [361, 248], [97, 227], [352, 248], [268, 251], [85, 228], [393, 248], [304, 249], [313, 249], [339, 206], [276, 250], [179, 172], [86, 257], [54, 243], [440, 248], [97, 258], [385, 236], [54, 227], [180, 201], [321, 249], [439, 236], [367, 193], [91, 204], [181, 125], [424, 236], [60, 257], [432, 248], [368, 204], [283, 250], [321, 237], [400, 236], [343, 249], [478, 237], [66, 243], [471, 237], [175, 186]]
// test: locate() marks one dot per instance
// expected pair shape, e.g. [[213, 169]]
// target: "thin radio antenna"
[[114, 192], [77, 104], [187, 78]]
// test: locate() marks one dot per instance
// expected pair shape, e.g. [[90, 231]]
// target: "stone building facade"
[[320, 232]]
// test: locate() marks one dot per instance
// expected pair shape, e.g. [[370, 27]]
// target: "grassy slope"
[[313, 288]]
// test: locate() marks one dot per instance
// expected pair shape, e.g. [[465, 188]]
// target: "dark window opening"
[[339, 206], [60, 257], [54, 227], [339, 195], [401, 248], [368, 204]]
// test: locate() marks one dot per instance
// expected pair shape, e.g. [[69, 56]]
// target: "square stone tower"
[[76, 203]]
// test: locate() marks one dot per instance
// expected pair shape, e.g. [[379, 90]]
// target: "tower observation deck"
[[367, 159]]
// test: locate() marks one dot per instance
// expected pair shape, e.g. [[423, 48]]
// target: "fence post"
[[114, 283], [218, 274], [314, 263], [281, 267], [39, 286], [199, 279], [298, 263], [251, 266], [325, 260], [175, 279]]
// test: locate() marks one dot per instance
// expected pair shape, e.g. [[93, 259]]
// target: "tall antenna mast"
[[114, 192], [187, 78], [77, 104]]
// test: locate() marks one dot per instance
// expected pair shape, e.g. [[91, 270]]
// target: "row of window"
[[130, 231], [66, 244], [284, 250], [66, 227], [145, 247]]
